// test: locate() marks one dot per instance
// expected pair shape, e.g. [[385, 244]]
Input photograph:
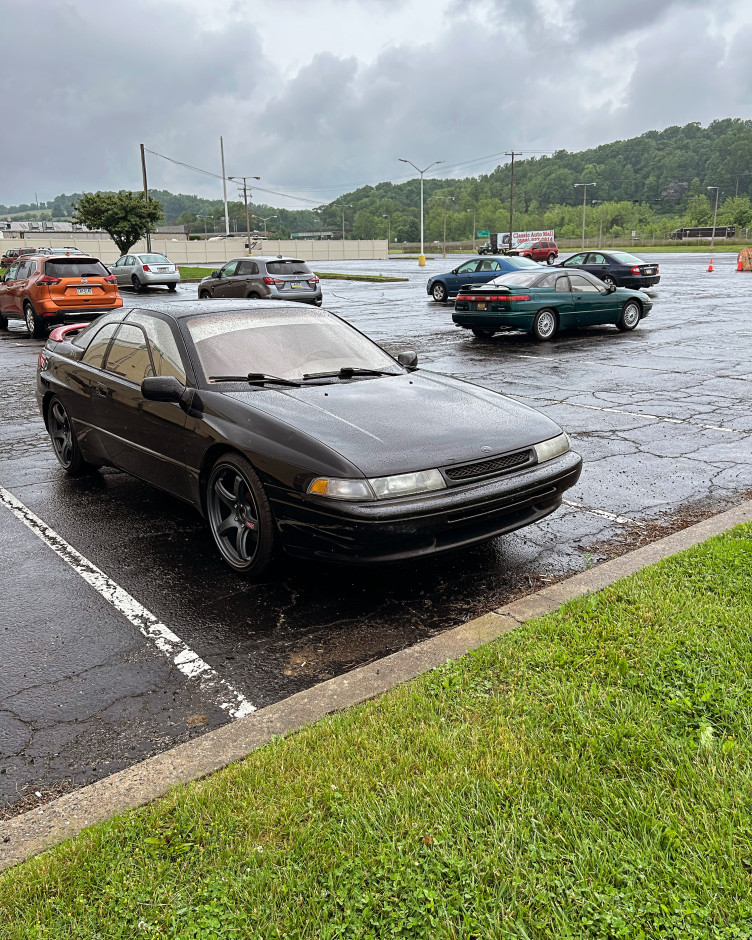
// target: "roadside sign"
[[482, 233]]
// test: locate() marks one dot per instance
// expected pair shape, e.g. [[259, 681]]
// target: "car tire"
[[551, 258], [609, 281], [35, 328], [64, 441], [481, 333], [3, 322], [630, 316], [545, 325], [439, 293], [253, 295], [172, 287], [240, 517], [137, 285], [204, 295]]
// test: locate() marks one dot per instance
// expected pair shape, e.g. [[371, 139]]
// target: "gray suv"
[[268, 278]]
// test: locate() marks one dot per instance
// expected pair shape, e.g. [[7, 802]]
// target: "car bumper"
[[641, 282], [299, 296], [377, 532], [156, 277]]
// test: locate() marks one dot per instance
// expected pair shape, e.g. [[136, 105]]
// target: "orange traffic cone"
[[710, 266], [739, 263]]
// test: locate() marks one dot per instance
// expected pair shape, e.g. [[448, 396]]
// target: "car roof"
[[185, 309], [267, 258]]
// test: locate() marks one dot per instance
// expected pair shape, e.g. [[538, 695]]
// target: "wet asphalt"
[[661, 417]]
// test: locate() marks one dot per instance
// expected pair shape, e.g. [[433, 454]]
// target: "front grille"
[[487, 468]]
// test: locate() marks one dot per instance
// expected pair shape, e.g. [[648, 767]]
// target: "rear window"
[[75, 267], [288, 267], [154, 259], [510, 279], [623, 257]]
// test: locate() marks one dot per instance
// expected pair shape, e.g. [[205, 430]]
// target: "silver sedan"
[[143, 270]]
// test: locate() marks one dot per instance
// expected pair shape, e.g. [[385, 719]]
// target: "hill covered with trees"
[[652, 184]]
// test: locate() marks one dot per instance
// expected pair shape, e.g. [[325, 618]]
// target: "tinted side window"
[[582, 285], [165, 355], [129, 354], [12, 272], [562, 285], [468, 267], [83, 338], [98, 346], [229, 269], [25, 268], [595, 258], [247, 267], [548, 281]]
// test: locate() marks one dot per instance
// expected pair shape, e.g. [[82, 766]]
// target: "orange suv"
[[44, 290]]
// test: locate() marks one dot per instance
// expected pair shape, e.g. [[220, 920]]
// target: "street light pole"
[[715, 216], [265, 220], [446, 200], [245, 199], [422, 256], [512, 154], [584, 200], [388, 231]]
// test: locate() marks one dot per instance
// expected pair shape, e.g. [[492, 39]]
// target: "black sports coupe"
[[288, 428]]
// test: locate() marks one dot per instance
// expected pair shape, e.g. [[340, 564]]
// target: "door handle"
[[101, 390]]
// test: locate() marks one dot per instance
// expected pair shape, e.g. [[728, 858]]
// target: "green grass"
[[587, 776], [189, 273]]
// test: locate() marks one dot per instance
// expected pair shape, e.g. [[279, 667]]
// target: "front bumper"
[[393, 530]]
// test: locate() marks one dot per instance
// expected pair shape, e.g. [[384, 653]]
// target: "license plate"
[[480, 306], [164, 269], [296, 285], [649, 270], [84, 290]]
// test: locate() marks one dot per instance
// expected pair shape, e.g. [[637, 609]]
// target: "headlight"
[[554, 447], [402, 484]]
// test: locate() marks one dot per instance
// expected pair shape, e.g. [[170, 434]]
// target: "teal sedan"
[[544, 302]]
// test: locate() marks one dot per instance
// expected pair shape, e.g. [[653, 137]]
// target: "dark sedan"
[[287, 428], [545, 302], [477, 271], [617, 268]]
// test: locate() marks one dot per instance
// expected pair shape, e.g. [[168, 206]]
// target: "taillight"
[[48, 280], [516, 297], [313, 280], [177, 268], [636, 270], [42, 361], [146, 267], [111, 279], [272, 280]]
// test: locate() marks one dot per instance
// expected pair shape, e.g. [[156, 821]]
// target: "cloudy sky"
[[318, 97]]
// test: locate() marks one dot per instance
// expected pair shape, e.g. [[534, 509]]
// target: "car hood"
[[414, 421]]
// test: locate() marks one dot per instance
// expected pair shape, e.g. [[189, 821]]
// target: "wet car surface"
[[660, 415]]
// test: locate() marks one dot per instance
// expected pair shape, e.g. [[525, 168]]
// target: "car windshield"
[[623, 257], [523, 263], [153, 259], [523, 279], [287, 267], [525, 245], [75, 267], [285, 343]]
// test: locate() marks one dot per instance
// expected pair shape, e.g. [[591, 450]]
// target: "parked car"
[[486, 249], [13, 254], [276, 278], [544, 250], [443, 286], [145, 270], [545, 302], [288, 428], [617, 268], [44, 290]]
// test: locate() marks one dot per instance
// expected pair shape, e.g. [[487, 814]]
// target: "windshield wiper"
[[346, 372], [254, 378]]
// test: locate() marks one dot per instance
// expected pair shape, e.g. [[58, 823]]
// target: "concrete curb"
[[61, 819]]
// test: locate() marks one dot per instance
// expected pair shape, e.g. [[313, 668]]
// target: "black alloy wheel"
[[240, 516], [137, 285], [35, 328], [609, 281], [64, 441], [481, 333], [630, 316], [545, 325], [439, 293]]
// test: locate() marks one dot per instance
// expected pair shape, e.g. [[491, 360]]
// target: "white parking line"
[[184, 658], [623, 520], [646, 414]]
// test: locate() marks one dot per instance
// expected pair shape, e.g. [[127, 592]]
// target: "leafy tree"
[[125, 216]]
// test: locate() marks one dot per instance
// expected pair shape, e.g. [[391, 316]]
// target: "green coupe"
[[544, 302]]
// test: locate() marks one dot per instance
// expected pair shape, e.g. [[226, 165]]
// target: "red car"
[[13, 254], [539, 251]]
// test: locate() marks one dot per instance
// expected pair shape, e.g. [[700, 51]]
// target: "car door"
[[145, 438], [589, 300], [576, 261], [462, 275], [19, 287], [564, 300], [247, 272], [227, 285], [6, 287], [117, 269], [596, 264]]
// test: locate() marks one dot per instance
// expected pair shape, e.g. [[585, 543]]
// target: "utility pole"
[[473, 212], [715, 216], [584, 200], [245, 200], [224, 186], [599, 202], [146, 192], [512, 154], [446, 200], [343, 206]]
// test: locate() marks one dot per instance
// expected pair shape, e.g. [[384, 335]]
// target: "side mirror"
[[408, 359], [610, 288], [455, 271], [215, 274], [162, 388]]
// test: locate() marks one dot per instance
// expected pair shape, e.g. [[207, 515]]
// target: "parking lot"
[[91, 684]]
